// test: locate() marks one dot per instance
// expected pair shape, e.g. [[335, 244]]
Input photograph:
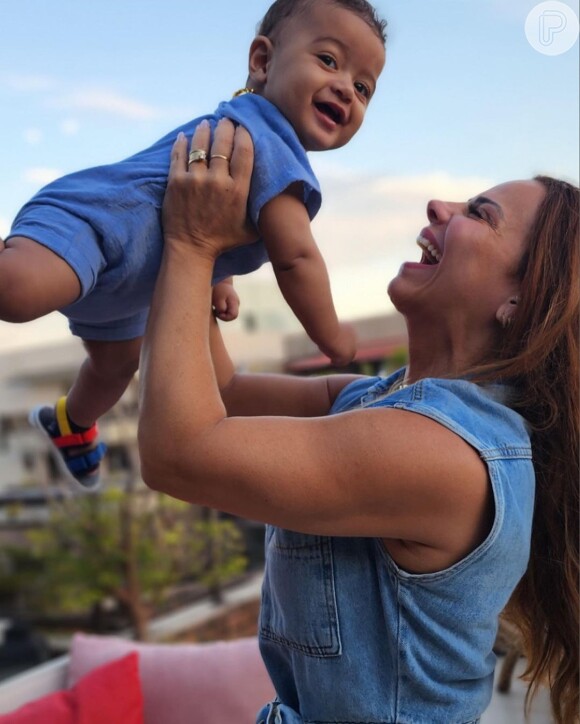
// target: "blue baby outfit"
[[349, 637], [106, 221]]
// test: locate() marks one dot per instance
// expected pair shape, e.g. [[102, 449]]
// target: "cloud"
[[32, 136], [369, 218], [438, 184], [69, 127], [40, 175], [28, 83], [106, 101], [97, 98]]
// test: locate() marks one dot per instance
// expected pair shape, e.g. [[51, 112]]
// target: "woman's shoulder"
[[480, 413]]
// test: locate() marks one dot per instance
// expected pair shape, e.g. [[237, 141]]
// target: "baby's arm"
[[302, 275]]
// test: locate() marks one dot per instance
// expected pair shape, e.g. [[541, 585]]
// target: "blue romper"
[[105, 222], [349, 637]]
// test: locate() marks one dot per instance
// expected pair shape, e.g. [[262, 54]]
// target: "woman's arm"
[[387, 473]]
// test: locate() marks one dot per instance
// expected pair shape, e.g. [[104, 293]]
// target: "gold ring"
[[219, 155], [198, 154]]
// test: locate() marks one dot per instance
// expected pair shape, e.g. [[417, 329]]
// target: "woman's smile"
[[431, 251]]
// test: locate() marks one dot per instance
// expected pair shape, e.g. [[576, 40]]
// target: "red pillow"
[[111, 694]]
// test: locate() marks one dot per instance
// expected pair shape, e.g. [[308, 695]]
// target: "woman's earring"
[[507, 315], [505, 320]]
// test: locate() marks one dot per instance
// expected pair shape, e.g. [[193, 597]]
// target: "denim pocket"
[[298, 599]]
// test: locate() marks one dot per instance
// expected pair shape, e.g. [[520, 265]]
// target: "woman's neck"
[[445, 350]]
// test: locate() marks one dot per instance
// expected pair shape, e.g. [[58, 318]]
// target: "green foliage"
[[216, 551], [19, 570], [83, 554]]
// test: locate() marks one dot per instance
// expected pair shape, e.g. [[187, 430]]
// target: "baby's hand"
[[343, 347], [225, 301]]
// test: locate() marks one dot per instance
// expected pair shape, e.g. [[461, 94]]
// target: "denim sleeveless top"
[[349, 637]]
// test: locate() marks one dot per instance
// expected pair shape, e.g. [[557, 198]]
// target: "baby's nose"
[[343, 87]]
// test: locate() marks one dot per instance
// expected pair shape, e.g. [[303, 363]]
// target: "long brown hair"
[[539, 355]]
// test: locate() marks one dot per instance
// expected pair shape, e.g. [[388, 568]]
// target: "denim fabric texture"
[[350, 638], [105, 222]]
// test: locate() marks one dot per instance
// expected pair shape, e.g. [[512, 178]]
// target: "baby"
[[90, 243]]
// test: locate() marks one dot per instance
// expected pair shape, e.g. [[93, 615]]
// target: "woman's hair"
[[282, 10], [539, 356]]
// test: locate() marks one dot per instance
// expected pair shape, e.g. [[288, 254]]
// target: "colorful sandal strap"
[[82, 463], [62, 417], [76, 438], [68, 438]]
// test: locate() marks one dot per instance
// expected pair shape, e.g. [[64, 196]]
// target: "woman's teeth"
[[433, 254]]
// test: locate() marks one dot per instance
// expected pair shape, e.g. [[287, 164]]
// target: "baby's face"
[[322, 72]]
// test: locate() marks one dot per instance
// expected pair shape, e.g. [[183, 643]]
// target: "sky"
[[465, 102]]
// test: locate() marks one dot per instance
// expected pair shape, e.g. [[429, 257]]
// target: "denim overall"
[[348, 637]]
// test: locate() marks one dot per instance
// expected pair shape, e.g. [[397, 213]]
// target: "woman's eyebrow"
[[485, 200]]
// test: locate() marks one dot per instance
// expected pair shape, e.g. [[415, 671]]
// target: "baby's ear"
[[259, 61]]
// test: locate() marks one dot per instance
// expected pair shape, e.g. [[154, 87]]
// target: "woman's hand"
[[205, 202]]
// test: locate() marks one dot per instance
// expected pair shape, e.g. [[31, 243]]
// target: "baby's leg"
[[102, 379], [71, 424], [33, 280]]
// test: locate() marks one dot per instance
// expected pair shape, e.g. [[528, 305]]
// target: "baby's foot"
[[78, 453]]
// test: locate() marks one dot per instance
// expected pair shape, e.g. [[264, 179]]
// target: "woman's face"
[[470, 254]]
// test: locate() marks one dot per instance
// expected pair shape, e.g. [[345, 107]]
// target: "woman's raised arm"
[[357, 473], [195, 216]]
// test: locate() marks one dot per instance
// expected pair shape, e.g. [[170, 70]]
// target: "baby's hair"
[[281, 10]]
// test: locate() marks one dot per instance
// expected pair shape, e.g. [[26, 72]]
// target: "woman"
[[400, 523]]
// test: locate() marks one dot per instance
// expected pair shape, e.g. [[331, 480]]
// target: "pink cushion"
[[213, 683], [110, 693]]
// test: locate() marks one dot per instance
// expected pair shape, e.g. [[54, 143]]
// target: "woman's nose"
[[438, 211]]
